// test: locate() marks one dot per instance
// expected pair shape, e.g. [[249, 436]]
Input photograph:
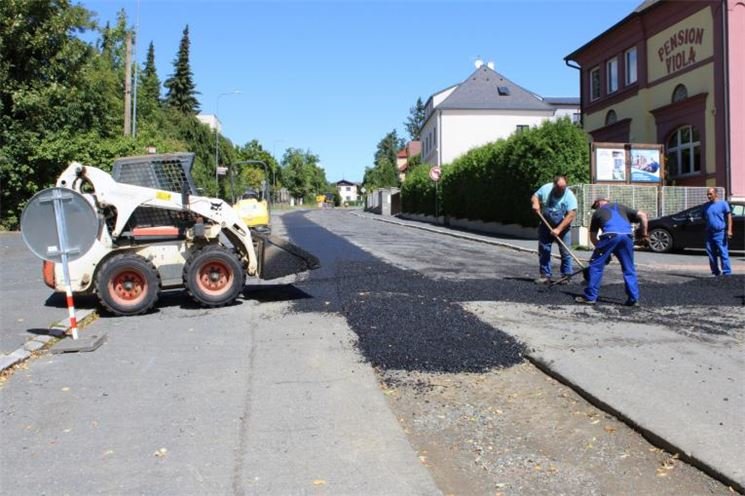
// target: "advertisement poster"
[[645, 165], [610, 164]]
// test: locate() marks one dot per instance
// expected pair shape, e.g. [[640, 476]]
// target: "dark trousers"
[[622, 246], [545, 241]]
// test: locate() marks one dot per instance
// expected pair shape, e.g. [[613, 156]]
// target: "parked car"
[[687, 229]]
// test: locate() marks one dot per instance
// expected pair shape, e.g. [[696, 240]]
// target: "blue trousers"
[[622, 246], [545, 240], [716, 248]]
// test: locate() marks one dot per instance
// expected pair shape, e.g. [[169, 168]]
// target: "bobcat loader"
[[156, 234]]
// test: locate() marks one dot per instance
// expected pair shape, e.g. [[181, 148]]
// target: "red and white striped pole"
[[59, 214], [71, 311]]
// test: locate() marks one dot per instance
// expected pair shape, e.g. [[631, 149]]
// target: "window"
[[630, 66], [576, 118], [434, 136], [680, 93], [503, 90], [612, 75], [522, 128], [610, 117], [595, 83], [684, 152]]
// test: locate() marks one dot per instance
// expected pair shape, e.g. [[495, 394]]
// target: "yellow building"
[[672, 73]]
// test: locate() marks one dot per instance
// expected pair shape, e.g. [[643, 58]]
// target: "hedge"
[[493, 183]]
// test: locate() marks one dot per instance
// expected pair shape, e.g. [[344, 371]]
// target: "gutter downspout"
[[581, 106], [725, 70], [439, 137]]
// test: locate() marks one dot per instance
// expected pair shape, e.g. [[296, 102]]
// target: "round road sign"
[[45, 237], [434, 173]]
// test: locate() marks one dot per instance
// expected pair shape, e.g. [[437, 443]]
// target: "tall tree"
[[415, 121], [44, 97], [387, 148], [251, 175], [148, 94], [301, 174], [383, 173], [182, 92]]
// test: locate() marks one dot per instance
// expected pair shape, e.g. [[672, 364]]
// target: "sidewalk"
[[244, 399], [690, 261]]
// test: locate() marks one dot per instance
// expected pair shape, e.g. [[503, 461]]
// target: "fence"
[[385, 201], [655, 201]]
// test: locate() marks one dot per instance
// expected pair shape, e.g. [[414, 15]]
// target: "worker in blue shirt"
[[718, 219], [558, 205], [617, 239]]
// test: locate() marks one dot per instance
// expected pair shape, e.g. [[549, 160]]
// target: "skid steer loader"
[[155, 233]]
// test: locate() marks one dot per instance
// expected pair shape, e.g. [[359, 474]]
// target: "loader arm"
[[126, 198]]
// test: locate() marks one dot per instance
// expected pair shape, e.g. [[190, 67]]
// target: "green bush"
[[418, 192], [493, 183]]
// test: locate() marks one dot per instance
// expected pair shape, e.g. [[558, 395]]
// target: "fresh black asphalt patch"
[[406, 321]]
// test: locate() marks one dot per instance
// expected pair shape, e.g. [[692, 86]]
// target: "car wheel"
[[127, 284], [660, 240]]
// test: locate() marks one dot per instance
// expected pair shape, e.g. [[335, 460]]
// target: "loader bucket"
[[279, 258]]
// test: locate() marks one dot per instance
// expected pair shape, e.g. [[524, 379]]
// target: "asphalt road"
[[276, 395]]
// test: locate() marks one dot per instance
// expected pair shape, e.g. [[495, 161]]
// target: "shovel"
[[583, 269]]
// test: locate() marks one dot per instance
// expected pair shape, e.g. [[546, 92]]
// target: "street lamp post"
[[217, 137], [276, 163]]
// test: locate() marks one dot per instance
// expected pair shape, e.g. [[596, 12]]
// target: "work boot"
[[543, 280], [584, 301], [631, 303]]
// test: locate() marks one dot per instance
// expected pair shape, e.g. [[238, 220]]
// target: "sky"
[[333, 77]]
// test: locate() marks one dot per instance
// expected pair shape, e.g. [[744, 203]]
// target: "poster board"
[[627, 163]]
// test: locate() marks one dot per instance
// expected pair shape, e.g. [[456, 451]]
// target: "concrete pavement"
[[246, 399]]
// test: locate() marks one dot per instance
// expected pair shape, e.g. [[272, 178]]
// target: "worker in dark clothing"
[[617, 239]]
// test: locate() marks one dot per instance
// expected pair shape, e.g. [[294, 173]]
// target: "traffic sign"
[[76, 226], [73, 233], [434, 173]]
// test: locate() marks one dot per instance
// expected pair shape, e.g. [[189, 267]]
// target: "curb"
[[458, 234], [646, 433], [56, 332]]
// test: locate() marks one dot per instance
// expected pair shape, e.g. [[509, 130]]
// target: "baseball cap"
[[598, 200]]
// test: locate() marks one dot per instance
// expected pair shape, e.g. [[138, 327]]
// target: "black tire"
[[127, 284], [214, 276], [660, 240]]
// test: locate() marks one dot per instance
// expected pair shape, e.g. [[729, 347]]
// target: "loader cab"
[[253, 209]]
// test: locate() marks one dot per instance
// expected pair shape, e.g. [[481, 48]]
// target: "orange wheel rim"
[[214, 277], [128, 287]]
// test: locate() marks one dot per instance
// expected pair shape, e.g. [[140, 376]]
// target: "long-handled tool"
[[584, 269]]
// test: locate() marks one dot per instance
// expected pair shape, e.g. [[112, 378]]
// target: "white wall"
[[347, 195], [463, 130]]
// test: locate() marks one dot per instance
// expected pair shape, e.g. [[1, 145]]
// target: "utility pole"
[[128, 87]]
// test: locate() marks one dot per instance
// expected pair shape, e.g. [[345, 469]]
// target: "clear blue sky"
[[334, 77]]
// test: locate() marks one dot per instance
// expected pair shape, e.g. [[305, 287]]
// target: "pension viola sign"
[[680, 46], [679, 50]]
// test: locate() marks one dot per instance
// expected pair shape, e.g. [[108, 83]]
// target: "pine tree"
[[415, 121], [148, 99], [181, 90]]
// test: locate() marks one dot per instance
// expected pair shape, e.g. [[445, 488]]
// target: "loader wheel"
[[127, 284], [214, 276]]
